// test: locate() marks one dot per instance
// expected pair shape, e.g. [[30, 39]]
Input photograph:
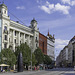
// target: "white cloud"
[[62, 8], [66, 1], [70, 2], [20, 7], [73, 3], [49, 8], [60, 44]]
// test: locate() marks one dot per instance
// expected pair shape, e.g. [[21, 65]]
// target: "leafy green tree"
[[34, 61], [8, 57], [47, 60], [39, 56], [1, 60], [26, 53]]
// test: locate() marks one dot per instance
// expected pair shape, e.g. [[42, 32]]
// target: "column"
[[13, 41], [29, 40], [24, 38], [19, 38]]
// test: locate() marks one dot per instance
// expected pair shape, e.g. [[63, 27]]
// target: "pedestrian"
[[35, 68]]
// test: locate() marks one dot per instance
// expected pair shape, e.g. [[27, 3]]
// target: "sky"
[[57, 16]]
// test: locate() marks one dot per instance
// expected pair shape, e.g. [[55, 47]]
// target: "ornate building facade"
[[12, 33]]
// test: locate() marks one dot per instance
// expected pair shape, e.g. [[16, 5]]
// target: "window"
[[20, 35], [5, 37], [0, 11], [36, 38], [20, 42], [5, 28], [36, 45], [5, 11], [5, 45], [15, 41], [9, 39], [15, 33]]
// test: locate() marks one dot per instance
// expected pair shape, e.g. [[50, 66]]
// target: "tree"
[[34, 61], [26, 52], [47, 60], [39, 56], [1, 60], [8, 57]]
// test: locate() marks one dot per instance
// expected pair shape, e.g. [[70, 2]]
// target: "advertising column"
[[0, 34]]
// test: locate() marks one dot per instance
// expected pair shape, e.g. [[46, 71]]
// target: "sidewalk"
[[21, 73]]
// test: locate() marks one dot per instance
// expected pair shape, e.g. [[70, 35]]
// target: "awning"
[[3, 65]]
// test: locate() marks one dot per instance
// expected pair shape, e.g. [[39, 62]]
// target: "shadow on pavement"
[[60, 69], [69, 74]]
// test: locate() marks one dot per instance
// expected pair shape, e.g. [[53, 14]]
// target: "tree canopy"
[[47, 60], [39, 56], [26, 52], [8, 57]]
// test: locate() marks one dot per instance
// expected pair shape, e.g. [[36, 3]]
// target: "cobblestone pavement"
[[57, 71]]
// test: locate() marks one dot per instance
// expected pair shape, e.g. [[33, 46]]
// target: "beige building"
[[13, 33]]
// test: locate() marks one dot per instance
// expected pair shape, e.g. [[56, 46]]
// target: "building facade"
[[12, 33], [50, 46], [43, 43], [65, 56], [71, 52], [68, 55]]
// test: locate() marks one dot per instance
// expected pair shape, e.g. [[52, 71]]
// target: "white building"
[[13, 33], [50, 46]]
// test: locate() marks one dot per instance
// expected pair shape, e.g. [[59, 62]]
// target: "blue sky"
[[56, 15]]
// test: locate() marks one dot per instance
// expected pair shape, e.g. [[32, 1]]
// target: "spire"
[[48, 33]]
